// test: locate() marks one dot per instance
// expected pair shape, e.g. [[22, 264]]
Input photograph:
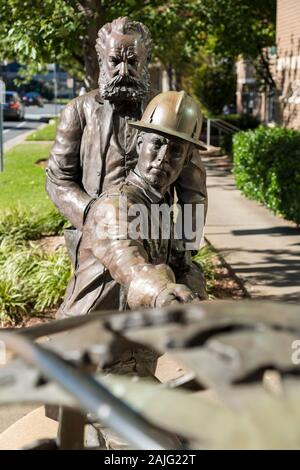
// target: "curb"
[[20, 138]]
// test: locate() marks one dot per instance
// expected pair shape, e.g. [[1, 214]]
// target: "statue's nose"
[[163, 155], [123, 68]]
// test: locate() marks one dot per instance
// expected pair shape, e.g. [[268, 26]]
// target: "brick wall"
[[288, 62]]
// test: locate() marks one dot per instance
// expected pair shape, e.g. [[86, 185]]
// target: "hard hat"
[[173, 113]]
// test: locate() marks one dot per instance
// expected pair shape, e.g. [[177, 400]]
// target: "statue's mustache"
[[127, 81]]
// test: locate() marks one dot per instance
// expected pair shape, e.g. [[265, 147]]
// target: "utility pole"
[[2, 101], [55, 88]]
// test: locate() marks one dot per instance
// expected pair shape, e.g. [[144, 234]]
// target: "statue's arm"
[[126, 258], [64, 172]]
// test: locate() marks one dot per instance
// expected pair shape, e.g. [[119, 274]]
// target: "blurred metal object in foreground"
[[245, 353]]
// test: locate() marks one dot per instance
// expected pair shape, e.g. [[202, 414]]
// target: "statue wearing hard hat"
[[95, 147], [126, 258]]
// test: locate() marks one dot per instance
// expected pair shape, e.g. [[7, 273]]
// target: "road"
[[34, 116]]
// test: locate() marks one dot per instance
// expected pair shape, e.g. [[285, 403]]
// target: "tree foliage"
[[214, 84], [64, 31]]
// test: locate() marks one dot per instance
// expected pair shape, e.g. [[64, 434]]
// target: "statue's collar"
[[151, 193]]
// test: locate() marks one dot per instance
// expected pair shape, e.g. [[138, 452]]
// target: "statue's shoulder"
[[88, 100]]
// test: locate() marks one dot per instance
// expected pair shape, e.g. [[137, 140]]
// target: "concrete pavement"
[[262, 249]]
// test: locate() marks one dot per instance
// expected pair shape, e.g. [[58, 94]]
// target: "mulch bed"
[[226, 285]]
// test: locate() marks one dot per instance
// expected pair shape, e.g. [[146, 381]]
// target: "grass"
[[46, 133], [205, 257], [31, 280], [23, 181], [63, 100]]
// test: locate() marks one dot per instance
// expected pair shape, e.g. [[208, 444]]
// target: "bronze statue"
[[119, 267], [95, 147]]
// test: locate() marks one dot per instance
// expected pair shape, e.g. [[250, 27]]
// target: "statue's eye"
[[114, 60], [132, 61], [176, 148], [156, 144]]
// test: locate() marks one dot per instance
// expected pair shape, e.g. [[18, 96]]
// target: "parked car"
[[13, 107], [33, 98]]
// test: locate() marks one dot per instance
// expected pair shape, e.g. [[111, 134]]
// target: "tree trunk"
[[178, 80], [264, 62], [170, 73], [95, 18], [91, 68]]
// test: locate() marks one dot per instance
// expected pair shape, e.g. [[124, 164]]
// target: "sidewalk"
[[21, 138], [262, 249]]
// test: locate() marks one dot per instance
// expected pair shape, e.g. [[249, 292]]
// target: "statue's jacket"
[[113, 255]]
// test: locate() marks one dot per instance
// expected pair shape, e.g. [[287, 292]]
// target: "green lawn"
[[46, 133], [23, 181]]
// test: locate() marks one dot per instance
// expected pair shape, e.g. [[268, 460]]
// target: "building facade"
[[280, 105], [287, 75]]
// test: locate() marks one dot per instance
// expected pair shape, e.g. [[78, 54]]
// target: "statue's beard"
[[126, 88]]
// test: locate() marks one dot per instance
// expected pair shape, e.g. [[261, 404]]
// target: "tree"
[[65, 31], [58, 31], [213, 82], [243, 27]]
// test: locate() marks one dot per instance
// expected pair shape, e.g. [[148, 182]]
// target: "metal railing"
[[222, 126]]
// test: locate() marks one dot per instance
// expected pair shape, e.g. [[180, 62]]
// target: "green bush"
[[31, 280], [267, 168], [18, 224]]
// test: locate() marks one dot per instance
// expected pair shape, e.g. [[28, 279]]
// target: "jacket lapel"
[[104, 116]]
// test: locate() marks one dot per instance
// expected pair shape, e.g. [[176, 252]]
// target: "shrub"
[[18, 224], [49, 280], [267, 168], [31, 280]]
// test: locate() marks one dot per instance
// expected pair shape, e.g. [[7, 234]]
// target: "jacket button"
[[98, 173]]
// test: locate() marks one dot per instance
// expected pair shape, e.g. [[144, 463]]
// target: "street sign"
[[2, 102]]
